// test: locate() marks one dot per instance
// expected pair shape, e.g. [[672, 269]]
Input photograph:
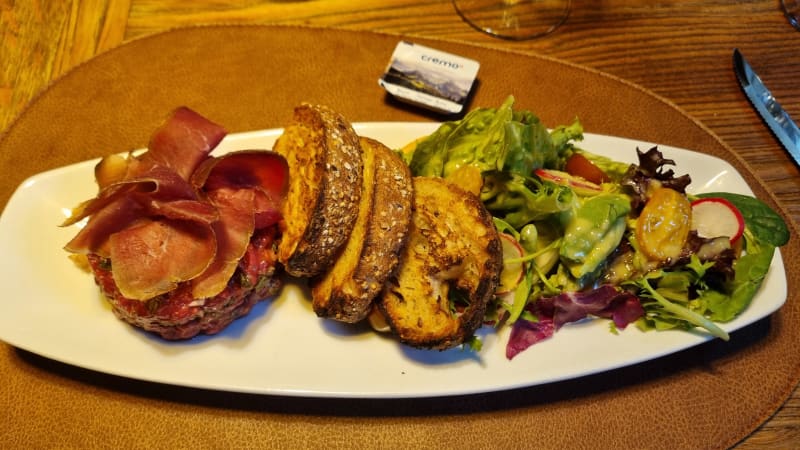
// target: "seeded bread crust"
[[452, 249], [325, 177], [347, 290]]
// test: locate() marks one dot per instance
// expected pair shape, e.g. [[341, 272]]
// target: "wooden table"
[[680, 50]]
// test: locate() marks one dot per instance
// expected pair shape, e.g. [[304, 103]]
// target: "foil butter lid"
[[429, 78]]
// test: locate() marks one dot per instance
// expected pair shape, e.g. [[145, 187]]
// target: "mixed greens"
[[591, 236]]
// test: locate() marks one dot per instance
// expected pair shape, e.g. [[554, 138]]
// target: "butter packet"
[[429, 78]]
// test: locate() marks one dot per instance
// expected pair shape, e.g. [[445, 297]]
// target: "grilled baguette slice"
[[325, 176], [346, 291], [449, 269]]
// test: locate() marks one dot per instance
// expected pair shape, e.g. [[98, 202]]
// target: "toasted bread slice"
[[372, 253], [325, 176], [449, 268]]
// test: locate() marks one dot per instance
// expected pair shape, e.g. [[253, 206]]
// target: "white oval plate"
[[53, 309]]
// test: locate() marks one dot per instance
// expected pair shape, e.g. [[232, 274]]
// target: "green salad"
[[587, 236]]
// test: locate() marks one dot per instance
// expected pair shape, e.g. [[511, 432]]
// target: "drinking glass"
[[514, 19]]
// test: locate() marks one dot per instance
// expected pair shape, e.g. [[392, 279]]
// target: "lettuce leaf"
[[521, 200], [531, 146], [493, 139], [670, 306], [478, 139], [750, 271]]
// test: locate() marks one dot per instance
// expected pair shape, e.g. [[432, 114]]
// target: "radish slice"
[[714, 217], [512, 272]]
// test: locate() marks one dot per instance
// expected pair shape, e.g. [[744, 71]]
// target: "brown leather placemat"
[[250, 78]]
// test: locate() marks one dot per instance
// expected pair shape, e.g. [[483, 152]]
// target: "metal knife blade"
[[778, 120]]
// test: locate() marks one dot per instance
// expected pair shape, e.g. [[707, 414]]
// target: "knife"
[[767, 106]]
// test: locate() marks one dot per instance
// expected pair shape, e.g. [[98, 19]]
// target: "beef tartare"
[[181, 242], [178, 315]]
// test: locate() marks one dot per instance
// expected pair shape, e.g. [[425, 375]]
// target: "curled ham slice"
[[232, 232], [183, 142], [244, 169], [176, 149], [114, 217], [175, 214], [266, 173], [151, 257], [195, 210], [147, 183]]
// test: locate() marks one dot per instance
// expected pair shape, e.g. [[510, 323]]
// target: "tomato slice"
[[663, 226], [580, 166]]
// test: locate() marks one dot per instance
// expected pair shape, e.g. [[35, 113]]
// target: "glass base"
[[514, 19], [791, 8]]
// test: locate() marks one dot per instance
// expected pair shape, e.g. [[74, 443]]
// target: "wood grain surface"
[[680, 50]]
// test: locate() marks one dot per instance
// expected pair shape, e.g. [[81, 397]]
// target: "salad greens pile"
[[594, 248]]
